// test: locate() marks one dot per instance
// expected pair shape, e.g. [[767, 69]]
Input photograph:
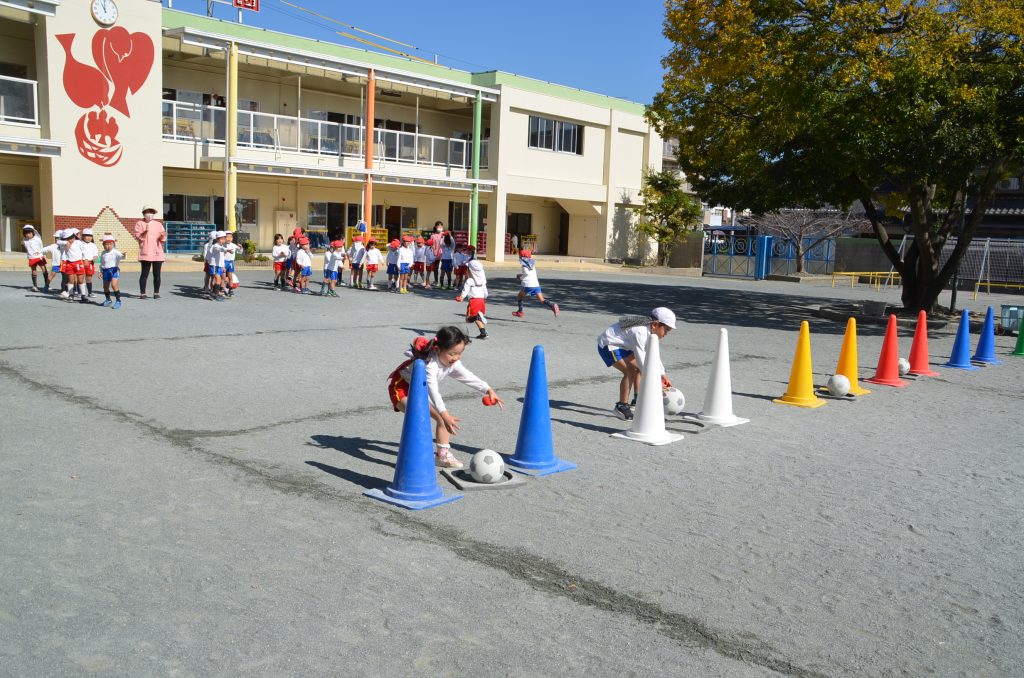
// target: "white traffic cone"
[[718, 397], [649, 416]]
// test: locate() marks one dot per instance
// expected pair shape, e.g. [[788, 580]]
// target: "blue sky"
[[606, 47]]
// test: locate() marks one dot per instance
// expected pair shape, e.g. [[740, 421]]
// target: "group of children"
[[219, 279], [75, 257]]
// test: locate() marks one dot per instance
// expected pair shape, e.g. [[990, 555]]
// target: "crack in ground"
[[533, 570]]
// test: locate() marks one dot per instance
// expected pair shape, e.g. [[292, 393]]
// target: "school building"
[[109, 105]]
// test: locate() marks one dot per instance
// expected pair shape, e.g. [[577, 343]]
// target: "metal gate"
[[736, 256]]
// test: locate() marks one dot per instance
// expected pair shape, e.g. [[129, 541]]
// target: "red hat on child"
[[470, 249], [358, 238], [395, 243], [420, 240], [337, 243], [525, 253], [406, 238], [303, 241]]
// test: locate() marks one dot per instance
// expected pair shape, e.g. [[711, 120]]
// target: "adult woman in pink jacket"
[[151, 236]]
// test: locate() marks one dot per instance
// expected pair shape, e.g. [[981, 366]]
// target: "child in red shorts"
[[280, 254], [475, 289], [34, 250]]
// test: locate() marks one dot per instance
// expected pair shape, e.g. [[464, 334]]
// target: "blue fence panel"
[[736, 256]]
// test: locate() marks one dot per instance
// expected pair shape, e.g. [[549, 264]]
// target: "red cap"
[[337, 243], [525, 253], [420, 240], [395, 243], [470, 248], [303, 240], [357, 238], [406, 238], [297, 232]]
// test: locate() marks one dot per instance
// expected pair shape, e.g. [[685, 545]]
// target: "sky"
[[601, 46]]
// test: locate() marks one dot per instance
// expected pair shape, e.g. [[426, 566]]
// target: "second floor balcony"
[[18, 101], [184, 121]]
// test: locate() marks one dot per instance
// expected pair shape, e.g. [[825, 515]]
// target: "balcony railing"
[[194, 122], [18, 99], [669, 148]]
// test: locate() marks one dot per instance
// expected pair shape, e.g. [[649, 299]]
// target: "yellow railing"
[[874, 278]]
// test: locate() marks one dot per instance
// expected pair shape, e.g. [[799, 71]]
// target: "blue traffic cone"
[[986, 351], [415, 484], [961, 358], [535, 455]]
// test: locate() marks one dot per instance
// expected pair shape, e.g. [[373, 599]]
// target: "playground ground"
[[181, 494]]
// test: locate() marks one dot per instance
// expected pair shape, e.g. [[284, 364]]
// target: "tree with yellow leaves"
[[915, 108]]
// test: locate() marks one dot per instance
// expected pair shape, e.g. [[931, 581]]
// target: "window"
[[16, 201], [458, 216], [519, 223], [316, 215], [249, 211], [1011, 184], [555, 135], [197, 208], [408, 217]]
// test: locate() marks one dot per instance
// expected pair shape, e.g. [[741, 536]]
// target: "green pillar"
[[474, 203]]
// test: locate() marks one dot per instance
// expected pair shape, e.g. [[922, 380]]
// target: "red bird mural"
[[85, 85], [125, 59]]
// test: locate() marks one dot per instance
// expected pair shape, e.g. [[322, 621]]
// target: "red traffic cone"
[[919, 349], [888, 371]]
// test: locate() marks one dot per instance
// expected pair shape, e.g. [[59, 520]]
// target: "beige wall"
[[76, 187]]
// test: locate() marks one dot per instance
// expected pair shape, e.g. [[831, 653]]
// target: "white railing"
[[18, 99], [195, 122]]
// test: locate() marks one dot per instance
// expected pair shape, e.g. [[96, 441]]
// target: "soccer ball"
[[487, 466], [904, 366], [838, 386], [674, 401]]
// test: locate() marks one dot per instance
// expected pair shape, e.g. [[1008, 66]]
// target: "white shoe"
[[65, 295], [372, 287]]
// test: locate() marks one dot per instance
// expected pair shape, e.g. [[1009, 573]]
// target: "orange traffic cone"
[[847, 365], [919, 349], [888, 371], [800, 391]]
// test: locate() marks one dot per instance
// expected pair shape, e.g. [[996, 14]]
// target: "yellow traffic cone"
[[801, 384], [847, 365]]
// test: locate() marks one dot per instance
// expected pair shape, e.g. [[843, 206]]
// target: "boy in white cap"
[[475, 289], [530, 284], [55, 251], [74, 266], [33, 245], [230, 248], [215, 260], [110, 263], [89, 255], [624, 347]]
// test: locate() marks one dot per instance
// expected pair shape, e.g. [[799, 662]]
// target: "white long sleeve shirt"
[[215, 255], [420, 254], [374, 257], [90, 251], [74, 251], [303, 259], [33, 247], [333, 260], [632, 339], [529, 278], [436, 373], [55, 253], [280, 253], [392, 257], [356, 253], [475, 286], [405, 255]]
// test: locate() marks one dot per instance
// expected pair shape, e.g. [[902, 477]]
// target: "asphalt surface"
[[181, 494]]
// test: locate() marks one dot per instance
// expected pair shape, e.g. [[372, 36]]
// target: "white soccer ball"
[[487, 466], [904, 366], [838, 385], [674, 400]]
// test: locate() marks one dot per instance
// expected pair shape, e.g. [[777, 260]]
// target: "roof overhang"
[[46, 148], [380, 176], [327, 63], [44, 7]]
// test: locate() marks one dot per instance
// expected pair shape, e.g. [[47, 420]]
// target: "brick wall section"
[[107, 221]]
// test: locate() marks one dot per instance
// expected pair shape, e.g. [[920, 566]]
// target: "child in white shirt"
[[624, 347], [110, 262], [54, 252], [419, 262], [475, 290], [430, 264], [405, 260], [530, 285], [392, 261], [74, 265], [373, 259], [215, 261], [355, 261], [279, 254], [447, 252], [33, 245], [303, 266], [90, 253], [230, 248], [334, 261], [459, 260]]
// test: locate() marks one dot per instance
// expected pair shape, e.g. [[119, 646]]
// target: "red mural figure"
[[123, 60]]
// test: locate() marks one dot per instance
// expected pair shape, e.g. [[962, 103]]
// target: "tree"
[[804, 228], [668, 212], [917, 105]]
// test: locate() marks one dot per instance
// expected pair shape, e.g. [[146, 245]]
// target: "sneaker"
[[482, 335], [83, 300], [482, 318], [65, 295], [219, 298], [117, 305], [554, 307], [445, 459], [108, 302], [518, 314], [143, 296], [297, 290], [35, 289], [623, 411], [372, 287]]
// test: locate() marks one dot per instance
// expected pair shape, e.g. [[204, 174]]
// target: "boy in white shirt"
[[279, 254], [207, 276], [229, 263], [459, 260], [392, 261], [430, 264], [405, 260], [33, 245], [374, 259], [110, 263], [419, 262], [54, 251], [530, 284], [215, 261], [355, 260], [74, 265], [475, 289], [89, 255], [303, 266], [334, 260]]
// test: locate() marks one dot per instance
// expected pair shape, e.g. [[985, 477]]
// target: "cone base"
[[960, 366], [412, 504], [987, 361], [809, 402], [1019, 354], [722, 422], [895, 383], [926, 372], [854, 391], [530, 468], [650, 438]]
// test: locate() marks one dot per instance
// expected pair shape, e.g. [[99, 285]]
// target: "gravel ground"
[[182, 495]]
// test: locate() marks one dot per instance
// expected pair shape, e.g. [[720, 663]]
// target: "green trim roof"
[[173, 18]]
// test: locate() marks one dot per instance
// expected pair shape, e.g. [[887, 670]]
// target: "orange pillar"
[[371, 87]]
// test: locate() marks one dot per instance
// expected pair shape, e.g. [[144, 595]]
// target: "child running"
[[443, 358], [110, 262], [405, 261], [356, 253], [90, 253], [624, 347], [33, 245], [475, 290], [279, 253], [530, 284], [374, 259], [303, 266]]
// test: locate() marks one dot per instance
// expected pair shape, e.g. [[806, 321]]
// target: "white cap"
[[59, 235], [87, 231], [149, 208], [213, 235], [109, 238], [70, 232], [222, 234], [664, 316]]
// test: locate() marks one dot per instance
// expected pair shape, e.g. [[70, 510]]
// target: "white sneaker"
[[372, 287], [65, 295]]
